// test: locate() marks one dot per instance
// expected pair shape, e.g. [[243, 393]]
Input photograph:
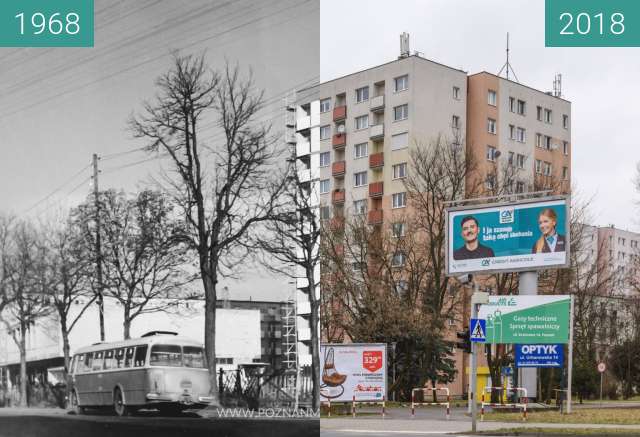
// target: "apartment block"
[[519, 137]]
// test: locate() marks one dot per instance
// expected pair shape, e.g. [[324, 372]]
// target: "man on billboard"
[[550, 241], [472, 249]]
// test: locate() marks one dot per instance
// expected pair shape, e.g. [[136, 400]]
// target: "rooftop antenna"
[[404, 45], [557, 85], [507, 64]]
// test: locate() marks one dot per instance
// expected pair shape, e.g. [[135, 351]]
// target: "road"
[[54, 423]]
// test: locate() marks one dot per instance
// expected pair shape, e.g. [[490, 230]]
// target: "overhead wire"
[[48, 196]]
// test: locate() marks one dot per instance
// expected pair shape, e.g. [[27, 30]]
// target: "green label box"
[[46, 23], [592, 23]]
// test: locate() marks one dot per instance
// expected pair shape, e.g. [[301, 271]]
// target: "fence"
[[429, 390], [356, 401], [522, 405]]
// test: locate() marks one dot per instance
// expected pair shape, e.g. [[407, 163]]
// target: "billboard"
[[508, 237], [527, 319], [539, 355], [353, 368]]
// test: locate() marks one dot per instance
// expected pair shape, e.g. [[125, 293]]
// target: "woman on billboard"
[[550, 241]]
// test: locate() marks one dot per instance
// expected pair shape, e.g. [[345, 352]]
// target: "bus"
[[158, 370]]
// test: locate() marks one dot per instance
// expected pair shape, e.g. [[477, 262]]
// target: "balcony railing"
[[375, 217], [376, 131], [339, 140], [376, 189], [338, 168], [376, 160], [377, 104], [303, 122], [339, 113], [338, 197], [336, 223]]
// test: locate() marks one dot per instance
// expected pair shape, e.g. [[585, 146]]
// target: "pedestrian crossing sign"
[[478, 331]]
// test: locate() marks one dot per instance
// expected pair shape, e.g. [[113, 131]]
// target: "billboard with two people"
[[528, 235]]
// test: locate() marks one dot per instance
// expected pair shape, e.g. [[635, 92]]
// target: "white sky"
[[601, 83], [59, 106]]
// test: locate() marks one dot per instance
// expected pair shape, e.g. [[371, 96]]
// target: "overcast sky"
[[59, 106], [601, 83]]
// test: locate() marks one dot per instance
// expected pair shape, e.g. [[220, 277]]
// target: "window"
[[522, 107], [165, 355], [109, 361], [491, 126], [538, 140], [512, 132], [521, 135], [512, 104], [492, 98], [565, 147], [98, 358], [325, 132], [402, 287], [399, 200], [491, 153], [538, 166], [358, 266], [360, 179], [565, 173], [362, 122], [547, 116], [401, 83], [456, 93], [519, 187], [78, 364], [400, 170], [325, 186], [325, 159], [325, 105], [400, 141], [547, 142], [401, 112], [398, 229], [362, 94], [230, 360], [193, 356], [546, 168], [119, 358], [88, 362], [128, 357], [360, 206], [361, 150], [490, 182], [510, 161], [141, 356], [520, 161], [455, 122], [398, 259], [539, 113], [565, 121], [325, 212]]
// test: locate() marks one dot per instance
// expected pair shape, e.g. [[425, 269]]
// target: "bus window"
[[166, 355], [119, 358], [108, 360], [97, 361], [128, 359], [87, 362], [193, 356], [79, 364], [141, 356]]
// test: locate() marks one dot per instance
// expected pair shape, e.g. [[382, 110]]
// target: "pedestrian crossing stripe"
[[478, 331]]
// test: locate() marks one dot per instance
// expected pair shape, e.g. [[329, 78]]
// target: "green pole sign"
[[527, 319]]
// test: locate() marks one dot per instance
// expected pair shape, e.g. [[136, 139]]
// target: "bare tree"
[[223, 203], [292, 238], [23, 268]]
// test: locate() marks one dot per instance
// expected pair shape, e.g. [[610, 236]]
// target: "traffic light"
[[465, 343]]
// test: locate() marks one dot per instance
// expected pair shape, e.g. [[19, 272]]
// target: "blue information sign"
[[539, 355]]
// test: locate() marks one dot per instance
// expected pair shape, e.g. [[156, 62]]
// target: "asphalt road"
[[43, 424]]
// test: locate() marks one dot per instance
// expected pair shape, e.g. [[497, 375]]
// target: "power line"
[[48, 196]]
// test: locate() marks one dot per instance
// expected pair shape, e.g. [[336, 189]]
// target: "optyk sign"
[[539, 355]]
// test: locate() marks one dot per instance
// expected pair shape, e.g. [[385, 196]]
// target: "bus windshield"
[[175, 356]]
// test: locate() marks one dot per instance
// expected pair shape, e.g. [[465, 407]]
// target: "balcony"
[[303, 123], [338, 168], [376, 131], [377, 104], [339, 113], [336, 223], [338, 197], [339, 141], [376, 189], [375, 217], [376, 160], [304, 175]]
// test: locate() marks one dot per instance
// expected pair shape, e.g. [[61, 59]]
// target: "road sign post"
[[478, 298], [601, 368]]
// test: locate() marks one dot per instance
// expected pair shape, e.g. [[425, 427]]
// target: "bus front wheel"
[[118, 403]]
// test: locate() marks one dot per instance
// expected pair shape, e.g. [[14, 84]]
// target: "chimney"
[[404, 45]]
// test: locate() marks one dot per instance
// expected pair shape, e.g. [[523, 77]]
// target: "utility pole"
[[98, 291], [478, 298]]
